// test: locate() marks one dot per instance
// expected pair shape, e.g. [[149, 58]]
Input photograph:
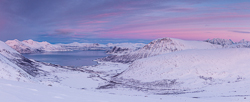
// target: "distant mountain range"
[[227, 43], [30, 46]]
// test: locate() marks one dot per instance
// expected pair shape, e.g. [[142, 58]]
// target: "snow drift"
[[189, 69]]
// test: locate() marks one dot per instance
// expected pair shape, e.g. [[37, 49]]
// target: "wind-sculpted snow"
[[189, 69], [160, 46]]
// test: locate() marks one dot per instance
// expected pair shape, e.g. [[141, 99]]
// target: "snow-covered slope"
[[160, 46], [30, 46], [8, 69], [228, 43], [29, 66], [189, 69]]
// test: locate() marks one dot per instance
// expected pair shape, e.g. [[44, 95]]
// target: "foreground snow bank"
[[190, 69], [13, 91]]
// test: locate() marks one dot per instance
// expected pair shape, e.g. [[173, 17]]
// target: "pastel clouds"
[[125, 19]]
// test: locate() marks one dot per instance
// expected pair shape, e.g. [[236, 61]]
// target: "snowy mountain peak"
[[160, 46], [164, 43], [28, 41], [157, 41], [243, 41]]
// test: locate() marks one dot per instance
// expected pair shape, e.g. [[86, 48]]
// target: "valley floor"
[[80, 86]]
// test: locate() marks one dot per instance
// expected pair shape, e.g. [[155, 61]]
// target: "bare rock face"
[[118, 50], [157, 47]]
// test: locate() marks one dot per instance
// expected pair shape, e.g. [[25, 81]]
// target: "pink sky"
[[116, 19]]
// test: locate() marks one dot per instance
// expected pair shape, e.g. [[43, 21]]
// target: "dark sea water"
[[68, 58]]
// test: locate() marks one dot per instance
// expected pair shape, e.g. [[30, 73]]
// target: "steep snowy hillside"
[[8, 69], [13, 66], [229, 43], [123, 48], [30, 46], [160, 46], [29, 66], [188, 70]]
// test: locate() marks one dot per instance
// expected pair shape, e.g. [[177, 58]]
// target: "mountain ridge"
[[159, 46]]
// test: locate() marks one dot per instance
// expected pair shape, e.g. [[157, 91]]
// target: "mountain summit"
[[160, 46]]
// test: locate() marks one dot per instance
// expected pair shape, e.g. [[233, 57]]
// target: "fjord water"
[[68, 58]]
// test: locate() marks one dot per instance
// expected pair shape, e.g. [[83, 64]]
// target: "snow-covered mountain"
[[188, 69], [228, 43], [218, 41], [160, 46], [30, 46]]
